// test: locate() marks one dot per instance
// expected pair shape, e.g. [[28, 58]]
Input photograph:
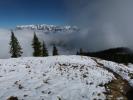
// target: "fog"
[[104, 23], [25, 37]]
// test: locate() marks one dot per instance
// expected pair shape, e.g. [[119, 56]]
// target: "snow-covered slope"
[[58, 77], [48, 28]]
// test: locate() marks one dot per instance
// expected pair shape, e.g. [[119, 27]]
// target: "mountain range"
[[48, 28]]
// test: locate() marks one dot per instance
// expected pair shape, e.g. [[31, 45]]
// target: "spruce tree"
[[44, 50], [77, 53], [81, 51], [36, 44], [55, 51], [15, 48]]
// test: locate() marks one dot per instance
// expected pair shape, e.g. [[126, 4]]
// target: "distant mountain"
[[120, 55], [48, 28], [119, 50]]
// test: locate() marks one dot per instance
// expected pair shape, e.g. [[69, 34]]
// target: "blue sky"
[[17, 12]]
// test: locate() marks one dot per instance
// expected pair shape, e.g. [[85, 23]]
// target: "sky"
[[18, 12], [103, 24]]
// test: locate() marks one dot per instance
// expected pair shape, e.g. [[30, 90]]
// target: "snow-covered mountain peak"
[[48, 28]]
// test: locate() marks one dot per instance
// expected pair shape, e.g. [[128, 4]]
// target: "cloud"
[[25, 38], [107, 23], [4, 41]]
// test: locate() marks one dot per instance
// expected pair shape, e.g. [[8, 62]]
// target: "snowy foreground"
[[58, 78]]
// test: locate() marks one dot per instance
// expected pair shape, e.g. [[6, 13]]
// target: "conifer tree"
[[77, 53], [15, 48], [44, 50], [55, 51], [36, 44], [81, 51]]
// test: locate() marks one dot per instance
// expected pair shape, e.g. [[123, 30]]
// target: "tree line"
[[119, 55], [39, 49]]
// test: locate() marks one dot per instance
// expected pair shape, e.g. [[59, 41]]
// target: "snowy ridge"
[[124, 71], [48, 28], [57, 78]]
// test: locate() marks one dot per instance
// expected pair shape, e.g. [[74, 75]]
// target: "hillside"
[[64, 78], [119, 55]]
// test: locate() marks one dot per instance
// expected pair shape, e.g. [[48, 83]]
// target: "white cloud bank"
[[25, 38]]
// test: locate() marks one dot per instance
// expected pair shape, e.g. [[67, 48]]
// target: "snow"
[[55, 78], [48, 28], [124, 71], [130, 66]]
